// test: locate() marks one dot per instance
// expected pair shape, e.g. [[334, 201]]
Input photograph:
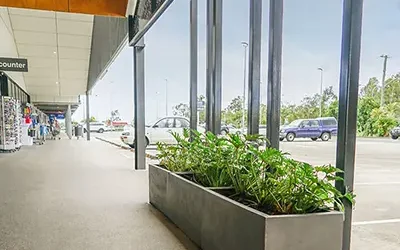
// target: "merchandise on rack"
[[8, 127], [18, 124]]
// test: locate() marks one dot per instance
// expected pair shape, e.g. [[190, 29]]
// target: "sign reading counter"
[[13, 64]]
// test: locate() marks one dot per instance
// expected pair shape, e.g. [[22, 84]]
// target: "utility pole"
[[321, 91], [385, 58]]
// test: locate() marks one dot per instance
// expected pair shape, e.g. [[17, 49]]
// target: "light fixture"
[[56, 82], [55, 52]]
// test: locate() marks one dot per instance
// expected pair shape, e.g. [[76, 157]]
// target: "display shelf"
[[8, 123]]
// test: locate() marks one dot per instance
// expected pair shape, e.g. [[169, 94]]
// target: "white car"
[[159, 131], [98, 127]]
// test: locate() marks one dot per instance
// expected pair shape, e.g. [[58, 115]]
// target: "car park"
[[318, 128], [159, 131]]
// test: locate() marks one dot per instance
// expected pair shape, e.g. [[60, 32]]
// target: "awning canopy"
[[94, 7]]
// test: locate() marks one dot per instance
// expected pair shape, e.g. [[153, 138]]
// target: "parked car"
[[229, 128], [395, 133], [322, 128], [98, 127], [159, 131]]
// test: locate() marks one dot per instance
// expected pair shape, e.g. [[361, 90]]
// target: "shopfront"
[[21, 124], [10, 88]]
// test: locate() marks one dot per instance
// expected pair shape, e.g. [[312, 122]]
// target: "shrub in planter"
[[268, 197], [263, 178]]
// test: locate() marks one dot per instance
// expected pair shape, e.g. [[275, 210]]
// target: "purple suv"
[[316, 128]]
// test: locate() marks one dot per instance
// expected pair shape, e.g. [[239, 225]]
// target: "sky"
[[311, 39]]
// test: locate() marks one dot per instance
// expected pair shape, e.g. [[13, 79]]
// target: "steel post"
[[253, 114], [193, 64], [348, 98], [87, 117], [68, 122], [214, 66], [274, 72], [139, 105]]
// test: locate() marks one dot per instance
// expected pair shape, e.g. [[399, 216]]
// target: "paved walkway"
[[79, 195]]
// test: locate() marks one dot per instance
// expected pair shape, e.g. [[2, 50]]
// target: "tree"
[[236, 105], [333, 109], [182, 109], [91, 119], [202, 112], [115, 116], [365, 107], [263, 114], [371, 90], [392, 89], [234, 112]]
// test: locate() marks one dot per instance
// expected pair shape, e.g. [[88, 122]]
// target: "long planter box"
[[215, 222]]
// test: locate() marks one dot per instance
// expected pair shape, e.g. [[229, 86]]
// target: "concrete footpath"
[[72, 195]]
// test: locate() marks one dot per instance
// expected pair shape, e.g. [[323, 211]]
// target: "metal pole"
[[348, 98], [87, 117], [245, 45], [253, 117], [214, 65], [68, 122], [274, 72], [218, 66], [385, 58], [139, 101], [166, 97], [193, 64], [158, 104], [321, 91], [209, 64]]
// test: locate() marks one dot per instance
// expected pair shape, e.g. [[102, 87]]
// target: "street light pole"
[[385, 57], [157, 103], [245, 45], [321, 91], [166, 97]]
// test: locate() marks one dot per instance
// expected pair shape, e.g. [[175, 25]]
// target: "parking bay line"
[[375, 222], [377, 183]]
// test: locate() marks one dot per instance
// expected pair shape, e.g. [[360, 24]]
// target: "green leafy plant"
[[263, 178]]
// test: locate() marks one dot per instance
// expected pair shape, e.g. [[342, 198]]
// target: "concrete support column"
[[87, 117], [68, 122], [139, 105]]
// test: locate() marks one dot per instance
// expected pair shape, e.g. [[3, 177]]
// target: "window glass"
[[314, 124], [9, 87], [305, 123], [181, 123], [166, 123], [329, 122]]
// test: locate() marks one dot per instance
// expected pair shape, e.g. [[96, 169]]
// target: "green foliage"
[[380, 123], [263, 178], [92, 119], [182, 110], [310, 107]]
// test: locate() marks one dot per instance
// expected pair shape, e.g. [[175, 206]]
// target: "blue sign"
[[57, 116]]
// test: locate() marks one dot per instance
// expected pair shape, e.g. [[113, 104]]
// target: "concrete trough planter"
[[215, 222]]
